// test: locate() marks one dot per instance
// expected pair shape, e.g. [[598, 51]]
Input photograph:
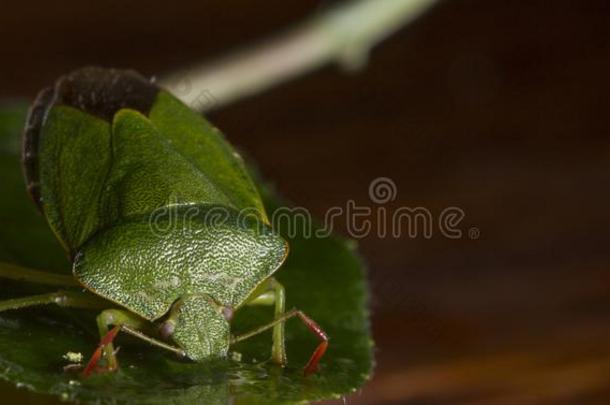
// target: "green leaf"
[[323, 277]]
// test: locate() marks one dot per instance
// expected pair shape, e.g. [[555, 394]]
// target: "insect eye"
[[167, 329], [227, 312]]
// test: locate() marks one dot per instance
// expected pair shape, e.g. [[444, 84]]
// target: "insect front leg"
[[110, 322], [60, 298], [19, 273], [270, 293], [312, 364]]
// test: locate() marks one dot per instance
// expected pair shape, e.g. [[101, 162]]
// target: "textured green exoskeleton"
[[158, 214]]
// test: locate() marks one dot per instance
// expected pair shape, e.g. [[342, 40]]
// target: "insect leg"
[[61, 298], [312, 364], [127, 322], [14, 272], [274, 294]]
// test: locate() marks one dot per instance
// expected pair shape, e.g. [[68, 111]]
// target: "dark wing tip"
[[29, 151], [102, 91], [95, 90]]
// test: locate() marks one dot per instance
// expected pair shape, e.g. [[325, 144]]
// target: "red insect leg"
[[97, 355]]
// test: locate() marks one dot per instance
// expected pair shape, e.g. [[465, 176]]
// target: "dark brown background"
[[497, 107]]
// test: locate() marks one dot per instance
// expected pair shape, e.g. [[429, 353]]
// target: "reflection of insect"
[[103, 150]]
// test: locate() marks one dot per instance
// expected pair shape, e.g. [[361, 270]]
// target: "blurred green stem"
[[344, 34]]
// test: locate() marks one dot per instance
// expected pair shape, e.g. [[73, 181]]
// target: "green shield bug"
[[148, 200]]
